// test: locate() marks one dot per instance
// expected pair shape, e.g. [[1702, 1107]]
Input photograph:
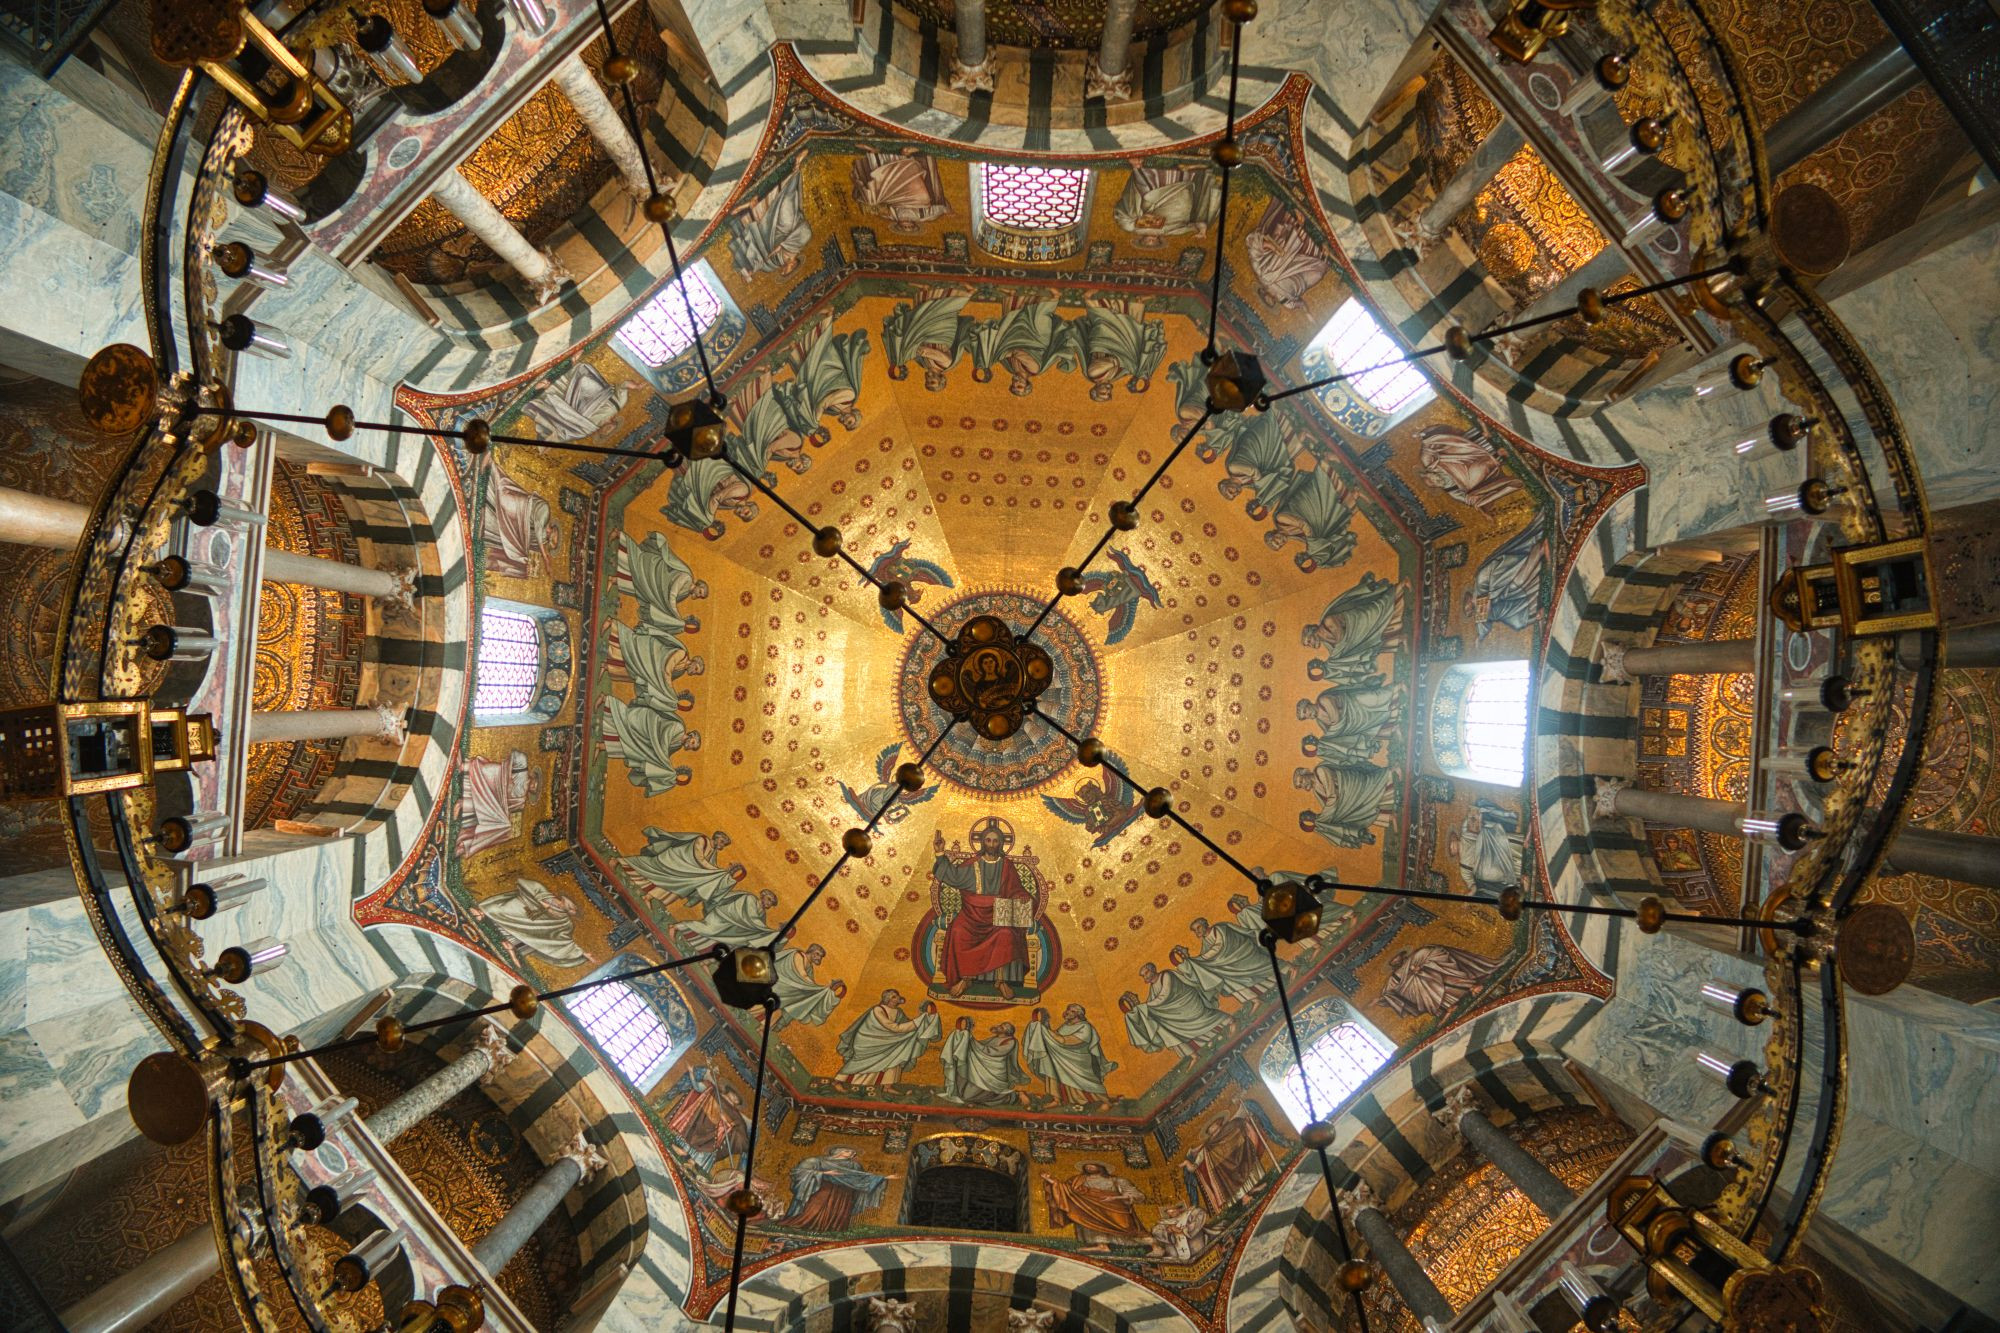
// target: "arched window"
[[1337, 1063], [1033, 198], [1032, 214], [1359, 347], [658, 331], [521, 671], [510, 661], [626, 1029], [1479, 722]]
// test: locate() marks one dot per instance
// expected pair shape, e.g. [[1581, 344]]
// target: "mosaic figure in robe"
[[494, 799], [1068, 1059], [983, 1071], [1176, 1014], [885, 1043], [998, 901]]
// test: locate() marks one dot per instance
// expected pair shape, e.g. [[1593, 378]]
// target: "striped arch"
[[1513, 1055], [970, 1284], [406, 510], [709, 134], [1585, 729], [418, 656], [863, 72], [632, 1223], [611, 251]]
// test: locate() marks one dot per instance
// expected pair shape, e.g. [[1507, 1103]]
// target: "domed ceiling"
[[1265, 644]]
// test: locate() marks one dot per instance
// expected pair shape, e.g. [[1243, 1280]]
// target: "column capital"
[[1456, 1103], [499, 1051], [395, 723], [1357, 1199], [550, 281], [971, 78], [1605, 803], [406, 588], [1111, 87], [585, 1154], [1611, 654]]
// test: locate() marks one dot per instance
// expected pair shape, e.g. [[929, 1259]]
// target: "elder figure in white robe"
[[904, 188], [1285, 260], [1432, 978], [519, 528], [579, 405], [883, 1044], [802, 997], [495, 797], [536, 921]]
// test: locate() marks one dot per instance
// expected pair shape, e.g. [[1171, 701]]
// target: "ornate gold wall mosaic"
[[1957, 791], [46, 448], [1695, 736], [309, 644], [541, 168], [1881, 171], [1467, 1222], [1528, 231]]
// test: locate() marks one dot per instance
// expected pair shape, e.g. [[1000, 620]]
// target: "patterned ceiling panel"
[[1075, 24], [1257, 644]]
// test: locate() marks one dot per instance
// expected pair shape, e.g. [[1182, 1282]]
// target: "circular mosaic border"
[[1037, 753]]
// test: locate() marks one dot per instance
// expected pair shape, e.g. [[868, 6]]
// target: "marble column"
[[489, 1054], [575, 1165], [27, 519], [382, 722], [1881, 75], [1495, 151], [1364, 1212], [133, 1300], [1624, 665], [1616, 797], [390, 585], [1965, 857], [1971, 648], [1109, 74], [540, 270], [606, 126], [971, 70], [1461, 1114]]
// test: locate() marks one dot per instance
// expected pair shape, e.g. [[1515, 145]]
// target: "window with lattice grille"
[[510, 662], [625, 1028], [1033, 198], [658, 331], [1360, 349], [1337, 1064], [1479, 722]]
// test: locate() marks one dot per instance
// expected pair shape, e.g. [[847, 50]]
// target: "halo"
[[980, 826]]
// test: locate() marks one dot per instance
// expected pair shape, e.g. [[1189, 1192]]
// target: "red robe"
[[973, 944]]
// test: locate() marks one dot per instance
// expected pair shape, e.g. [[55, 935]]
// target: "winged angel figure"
[[1118, 594], [866, 803], [1104, 809]]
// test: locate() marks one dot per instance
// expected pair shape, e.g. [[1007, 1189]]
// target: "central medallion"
[[989, 677]]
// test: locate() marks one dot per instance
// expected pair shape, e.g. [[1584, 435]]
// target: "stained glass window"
[[1032, 198], [1357, 346], [1480, 728], [1336, 1066], [625, 1028], [658, 331], [510, 662]]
